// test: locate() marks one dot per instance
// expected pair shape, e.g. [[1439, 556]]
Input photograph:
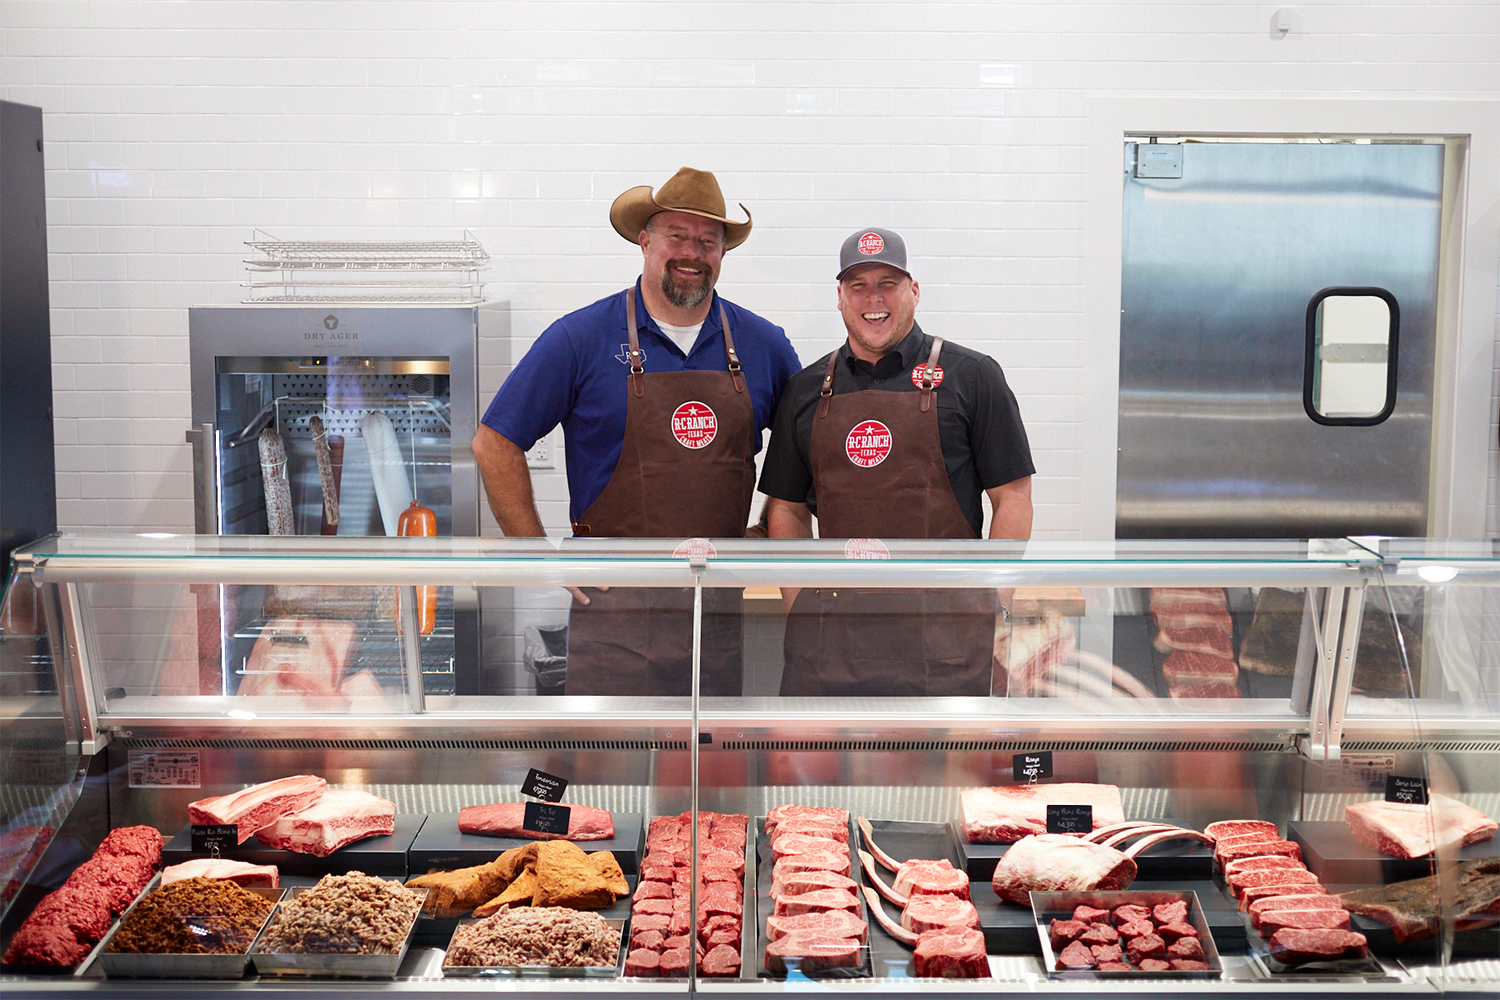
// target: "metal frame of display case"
[[1342, 570]]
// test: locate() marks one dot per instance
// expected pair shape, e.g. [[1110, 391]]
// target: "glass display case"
[[987, 708]]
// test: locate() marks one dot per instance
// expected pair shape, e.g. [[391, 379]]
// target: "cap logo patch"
[[868, 444], [694, 425], [866, 548], [871, 244], [917, 372], [694, 547]]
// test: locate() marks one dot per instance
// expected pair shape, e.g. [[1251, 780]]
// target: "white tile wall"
[[173, 128]]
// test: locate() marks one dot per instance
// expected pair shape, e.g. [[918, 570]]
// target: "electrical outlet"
[[542, 455]]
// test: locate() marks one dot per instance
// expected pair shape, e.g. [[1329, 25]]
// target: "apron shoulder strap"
[[827, 391], [928, 384], [637, 368], [734, 359]]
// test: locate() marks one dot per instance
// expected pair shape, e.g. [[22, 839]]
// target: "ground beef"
[[345, 914], [195, 916], [542, 935]]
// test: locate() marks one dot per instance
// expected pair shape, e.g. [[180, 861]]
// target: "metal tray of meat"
[[340, 965], [543, 971], [141, 965], [765, 906], [1049, 906], [904, 840]]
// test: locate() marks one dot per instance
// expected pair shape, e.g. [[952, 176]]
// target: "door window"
[[1350, 376]]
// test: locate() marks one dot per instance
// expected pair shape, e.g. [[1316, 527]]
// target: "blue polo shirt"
[[574, 375]]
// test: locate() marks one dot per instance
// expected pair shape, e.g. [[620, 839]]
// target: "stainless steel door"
[[1219, 266]]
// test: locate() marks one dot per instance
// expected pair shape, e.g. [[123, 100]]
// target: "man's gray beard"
[[684, 297]]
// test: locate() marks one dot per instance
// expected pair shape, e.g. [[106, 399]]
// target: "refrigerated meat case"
[[1367, 659]]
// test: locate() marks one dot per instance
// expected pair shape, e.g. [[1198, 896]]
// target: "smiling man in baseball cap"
[[897, 434]]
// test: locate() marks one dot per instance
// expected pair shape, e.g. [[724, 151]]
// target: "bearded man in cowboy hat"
[[663, 390]]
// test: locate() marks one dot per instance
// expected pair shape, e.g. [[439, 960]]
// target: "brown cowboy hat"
[[693, 191]]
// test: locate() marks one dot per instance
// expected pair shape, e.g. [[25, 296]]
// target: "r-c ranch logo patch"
[[694, 425], [871, 244], [868, 444]]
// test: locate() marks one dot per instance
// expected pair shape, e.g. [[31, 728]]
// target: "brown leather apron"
[[878, 471], [686, 470]]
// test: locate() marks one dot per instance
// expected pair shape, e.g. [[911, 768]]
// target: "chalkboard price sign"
[[544, 817], [1070, 819], [1032, 766], [1412, 791], [214, 839], [544, 786]]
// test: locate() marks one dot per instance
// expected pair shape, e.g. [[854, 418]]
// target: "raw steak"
[[926, 913], [1052, 862], [1194, 640], [504, 820], [1205, 689], [721, 960], [1271, 876], [1260, 864], [799, 843], [952, 954], [340, 817], [642, 963], [299, 656], [1192, 668], [829, 924], [1253, 895], [1146, 946], [1201, 616], [1075, 956], [1297, 947], [1227, 852], [239, 872], [814, 902], [1240, 827], [1410, 908], [1299, 901], [818, 861], [1321, 918], [1183, 598], [931, 878], [796, 883], [258, 806], [835, 817], [1062, 931], [812, 828], [1006, 814], [812, 952], [1406, 831]]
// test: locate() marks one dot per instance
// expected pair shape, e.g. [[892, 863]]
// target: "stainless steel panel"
[[1218, 269]]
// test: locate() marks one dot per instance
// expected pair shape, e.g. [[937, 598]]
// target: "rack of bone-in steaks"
[[863, 845]]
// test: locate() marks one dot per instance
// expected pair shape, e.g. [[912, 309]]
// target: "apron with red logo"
[[878, 472], [686, 470]]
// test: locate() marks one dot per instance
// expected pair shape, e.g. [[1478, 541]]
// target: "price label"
[[544, 817], [544, 786], [1070, 819], [215, 839], [1032, 766], [1412, 791]]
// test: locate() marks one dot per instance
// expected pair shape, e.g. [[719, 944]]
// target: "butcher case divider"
[[1049, 906], [136, 965], [334, 965], [549, 971]]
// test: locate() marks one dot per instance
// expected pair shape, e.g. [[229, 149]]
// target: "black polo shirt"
[[979, 424]]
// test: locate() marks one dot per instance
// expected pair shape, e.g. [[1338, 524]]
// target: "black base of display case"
[[384, 856], [1331, 853], [441, 846]]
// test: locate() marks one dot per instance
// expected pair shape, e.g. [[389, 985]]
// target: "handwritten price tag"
[[211, 839], [544, 786], [1412, 791], [1032, 766], [543, 817], [1070, 819]]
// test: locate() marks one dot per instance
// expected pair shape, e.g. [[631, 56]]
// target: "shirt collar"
[[645, 321], [913, 349]]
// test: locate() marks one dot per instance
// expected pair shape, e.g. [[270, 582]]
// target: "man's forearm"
[[785, 519], [1011, 516], [507, 484]]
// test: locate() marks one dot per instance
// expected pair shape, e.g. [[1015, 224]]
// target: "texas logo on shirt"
[[868, 444], [694, 425]]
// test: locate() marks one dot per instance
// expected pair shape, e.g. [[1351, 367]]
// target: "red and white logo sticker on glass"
[[868, 444], [694, 547], [866, 548], [871, 244], [937, 375], [694, 425]]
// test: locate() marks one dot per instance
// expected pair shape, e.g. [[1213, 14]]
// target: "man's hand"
[[1010, 518], [785, 519], [507, 485]]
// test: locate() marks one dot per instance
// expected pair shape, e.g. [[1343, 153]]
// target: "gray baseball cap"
[[872, 246]]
